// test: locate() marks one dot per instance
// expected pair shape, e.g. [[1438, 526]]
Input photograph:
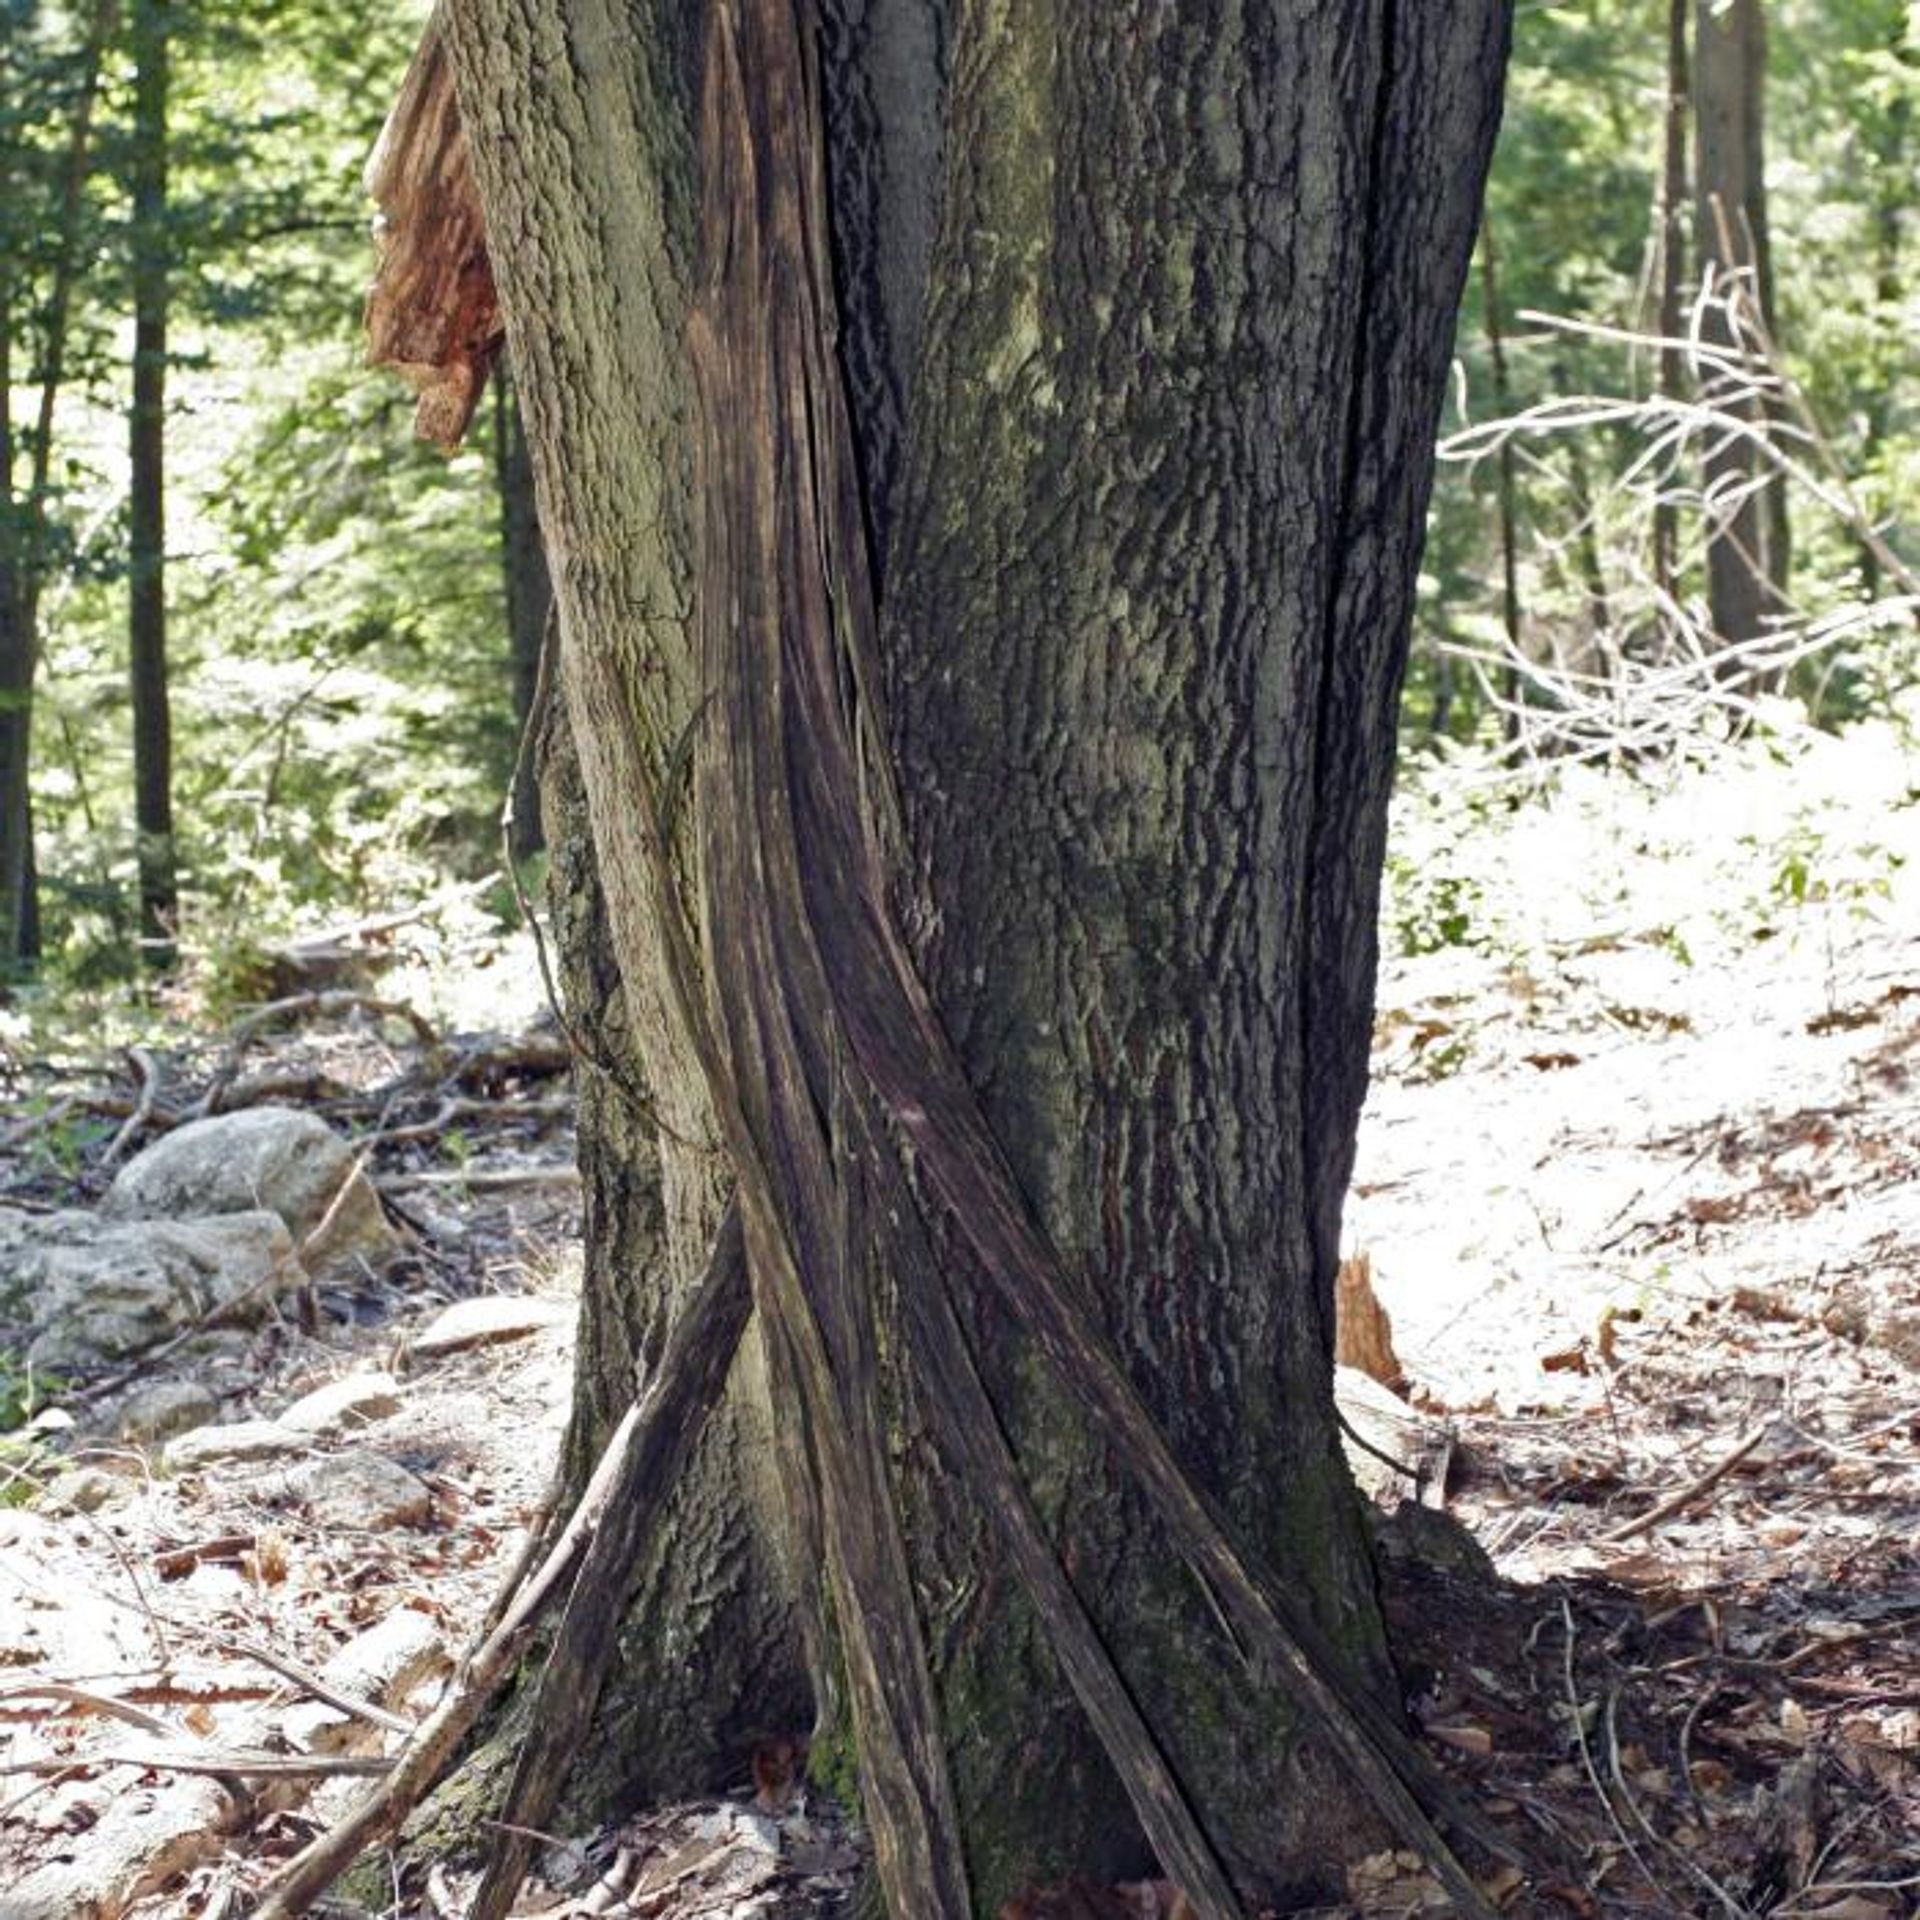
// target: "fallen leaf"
[[1464, 1738]]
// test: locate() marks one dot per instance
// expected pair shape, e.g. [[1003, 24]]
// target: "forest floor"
[[1639, 1187]]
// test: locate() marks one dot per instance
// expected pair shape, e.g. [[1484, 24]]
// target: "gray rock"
[[145, 1838], [277, 1158], [485, 1319], [244, 1440], [354, 1400], [383, 1666], [159, 1409], [81, 1490], [92, 1290], [357, 1491]]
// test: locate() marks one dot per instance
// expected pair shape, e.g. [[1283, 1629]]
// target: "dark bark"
[[529, 600], [150, 24], [1039, 1076], [1747, 544]]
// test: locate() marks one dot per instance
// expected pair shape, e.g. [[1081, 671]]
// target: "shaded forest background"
[[327, 630]]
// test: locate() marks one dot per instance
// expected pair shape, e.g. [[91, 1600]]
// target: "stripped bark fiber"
[[896, 1247]]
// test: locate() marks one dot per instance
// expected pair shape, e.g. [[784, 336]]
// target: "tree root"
[[619, 1505]]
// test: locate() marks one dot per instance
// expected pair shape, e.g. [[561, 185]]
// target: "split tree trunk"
[[1061, 384]]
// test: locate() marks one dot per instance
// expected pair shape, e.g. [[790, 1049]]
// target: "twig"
[[148, 1068], [202, 1323], [237, 1764], [484, 1179], [1699, 1873], [102, 1703], [1690, 1492], [24, 1130], [690, 1377], [582, 1052], [331, 1002], [317, 1234], [1572, 1690], [305, 1678]]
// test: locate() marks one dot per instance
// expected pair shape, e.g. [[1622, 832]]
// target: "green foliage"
[[341, 684], [341, 693]]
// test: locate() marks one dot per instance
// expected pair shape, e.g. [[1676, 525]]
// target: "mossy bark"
[[1141, 318]]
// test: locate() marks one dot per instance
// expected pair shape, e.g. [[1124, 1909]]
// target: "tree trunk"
[[1670, 265], [146, 488], [23, 512], [1507, 486], [1034, 1020], [1747, 555], [529, 599], [1892, 210]]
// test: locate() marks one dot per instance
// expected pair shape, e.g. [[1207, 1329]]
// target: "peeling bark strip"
[[1164, 534], [432, 314]]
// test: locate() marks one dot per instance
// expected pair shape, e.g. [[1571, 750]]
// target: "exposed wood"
[[432, 313]]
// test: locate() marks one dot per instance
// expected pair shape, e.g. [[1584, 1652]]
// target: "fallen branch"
[[310, 1682], [690, 1378], [485, 1179], [148, 1069], [323, 1005]]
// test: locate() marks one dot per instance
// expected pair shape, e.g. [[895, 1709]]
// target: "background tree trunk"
[[1143, 424], [1670, 266], [24, 511], [146, 498], [1747, 545], [1506, 483]]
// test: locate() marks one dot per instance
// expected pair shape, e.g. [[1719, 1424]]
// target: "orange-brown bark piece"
[[432, 312], [1363, 1335]]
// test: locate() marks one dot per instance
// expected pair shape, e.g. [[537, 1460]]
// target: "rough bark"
[[709, 1656], [1747, 556], [151, 26], [1145, 633], [1041, 1197]]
